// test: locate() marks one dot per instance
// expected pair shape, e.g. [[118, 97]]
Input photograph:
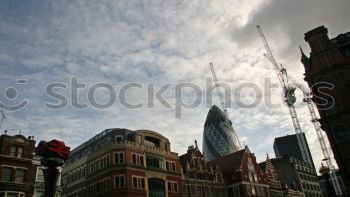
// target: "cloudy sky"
[[141, 47]]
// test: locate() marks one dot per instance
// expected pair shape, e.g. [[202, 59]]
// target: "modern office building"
[[219, 137], [123, 163], [327, 72], [20, 169], [199, 178], [242, 175], [297, 175], [288, 145]]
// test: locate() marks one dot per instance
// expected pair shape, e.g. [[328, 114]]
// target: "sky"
[[144, 64]]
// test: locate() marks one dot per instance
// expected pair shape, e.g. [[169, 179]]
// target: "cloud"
[[157, 42]]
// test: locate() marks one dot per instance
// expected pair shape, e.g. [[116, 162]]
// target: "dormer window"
[[118, 138]]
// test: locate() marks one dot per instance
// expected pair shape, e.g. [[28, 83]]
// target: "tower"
[[327, 73], [288, 145], [219, 137]]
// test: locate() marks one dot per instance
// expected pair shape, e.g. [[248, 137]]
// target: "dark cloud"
[[292, 18]]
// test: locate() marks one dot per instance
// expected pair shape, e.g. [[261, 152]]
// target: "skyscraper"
[[219, 137], [288, 145]]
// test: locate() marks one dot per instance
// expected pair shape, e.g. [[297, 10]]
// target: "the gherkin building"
[[219, 137]]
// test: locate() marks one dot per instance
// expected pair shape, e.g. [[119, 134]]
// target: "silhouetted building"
[[123, 163], [274, 182], [242, 174], [296, 175], [325, 186], [329, 63], [200, 178], [288, 145], [219, 137]]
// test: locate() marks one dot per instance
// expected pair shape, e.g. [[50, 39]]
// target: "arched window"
[[341, 134]]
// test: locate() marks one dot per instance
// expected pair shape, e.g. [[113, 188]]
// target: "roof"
[[152, 132], [230, 162]]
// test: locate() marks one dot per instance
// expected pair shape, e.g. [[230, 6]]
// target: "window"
[[20, 175], [170, 166], [137, 159], [6, 174], [184, 188], [16, 151], [119, 157], [138, 182], [154, 161], [118, 138], [39, 194], [119, 181], [236, 191], [192, 189], [249, 189], [12, 194], [172, 187]]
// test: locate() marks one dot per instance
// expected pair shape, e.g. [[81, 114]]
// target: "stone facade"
[[200, 178], [329, 63], [125, 163]]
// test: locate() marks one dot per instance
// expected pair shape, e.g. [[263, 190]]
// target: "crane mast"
[[290, 99], [217, 86], [316, 123]]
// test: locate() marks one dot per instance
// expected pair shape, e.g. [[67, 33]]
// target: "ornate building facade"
[[242, 174], [274, 182], [123, 163], [200, 178], [328, 66], [219, 137]]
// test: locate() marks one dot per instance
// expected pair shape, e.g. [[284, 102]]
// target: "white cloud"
[[159, 42]]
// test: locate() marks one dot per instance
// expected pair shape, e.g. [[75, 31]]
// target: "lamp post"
[[53, 154]]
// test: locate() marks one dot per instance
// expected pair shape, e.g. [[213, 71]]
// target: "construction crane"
[[218, 89], [314, 119], [289, 89], [289, 95], [3, 119]]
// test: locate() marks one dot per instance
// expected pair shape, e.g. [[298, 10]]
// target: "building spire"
[[195, 141], [303, 56]]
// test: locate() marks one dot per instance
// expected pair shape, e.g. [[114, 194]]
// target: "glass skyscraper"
[[219, 137]]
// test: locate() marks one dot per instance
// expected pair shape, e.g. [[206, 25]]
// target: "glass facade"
[[219, 137]]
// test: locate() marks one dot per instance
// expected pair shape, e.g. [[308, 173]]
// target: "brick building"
[[200, 178], [242, 174], [123, 163], [20, 169], [329, 62], [274, 182]]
